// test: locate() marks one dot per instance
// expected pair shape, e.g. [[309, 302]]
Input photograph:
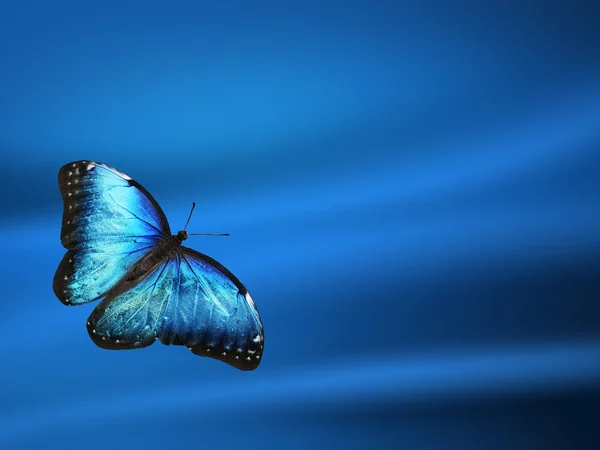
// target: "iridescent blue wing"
[[214, 314], [109, 222], [132, 315], [189, 299]]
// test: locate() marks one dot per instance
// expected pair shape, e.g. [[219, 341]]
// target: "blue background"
[[412, 193]]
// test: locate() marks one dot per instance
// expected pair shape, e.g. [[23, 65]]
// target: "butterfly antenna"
[[200, 234], [190, 216]]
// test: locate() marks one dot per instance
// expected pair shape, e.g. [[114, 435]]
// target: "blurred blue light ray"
[[478, 375], [547, 142], [520, 233], [411, 192]]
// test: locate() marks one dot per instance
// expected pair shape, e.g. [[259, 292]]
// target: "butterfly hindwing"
[[109, 222], [190, 300], [224, 320], [130, 317]]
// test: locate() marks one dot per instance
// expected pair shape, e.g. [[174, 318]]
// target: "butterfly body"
[[120, 250], [165, 249]]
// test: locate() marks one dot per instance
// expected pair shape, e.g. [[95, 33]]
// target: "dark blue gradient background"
[[412, 192]]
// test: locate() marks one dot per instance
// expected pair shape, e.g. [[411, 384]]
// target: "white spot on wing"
[[249, 300], [115, 171], [257, 338], [91, 165]]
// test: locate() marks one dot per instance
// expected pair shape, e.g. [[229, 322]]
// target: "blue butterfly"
[[120, 250]]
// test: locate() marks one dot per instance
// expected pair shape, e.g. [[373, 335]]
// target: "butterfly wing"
[[132, 316], [109, 222], [215, 315], [189, 299]]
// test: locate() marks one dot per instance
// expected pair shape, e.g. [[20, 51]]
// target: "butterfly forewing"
[[109, 222], [103, 206]]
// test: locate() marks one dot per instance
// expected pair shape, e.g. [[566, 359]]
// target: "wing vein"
[[206, 289], [165, 299], [135, 215], [145, 303]]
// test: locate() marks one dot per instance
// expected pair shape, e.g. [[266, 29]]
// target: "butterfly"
[[120, 250]]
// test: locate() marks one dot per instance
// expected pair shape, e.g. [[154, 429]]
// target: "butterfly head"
[[183, 235]]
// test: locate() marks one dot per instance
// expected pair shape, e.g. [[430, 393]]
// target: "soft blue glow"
[[412, 194], [440, 379]]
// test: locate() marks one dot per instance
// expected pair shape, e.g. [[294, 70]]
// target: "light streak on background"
[[412, 194]]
